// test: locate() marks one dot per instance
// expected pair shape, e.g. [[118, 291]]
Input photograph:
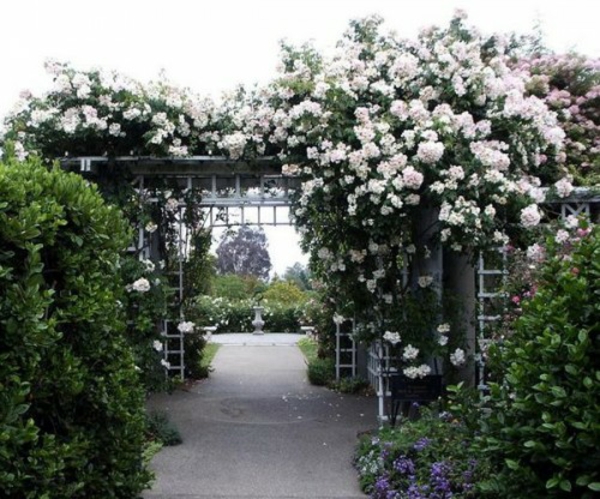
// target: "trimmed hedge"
[[235, 316], [71, 405], [543, 428]]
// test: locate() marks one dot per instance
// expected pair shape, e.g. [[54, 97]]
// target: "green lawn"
[[309, 348], [208, 354]]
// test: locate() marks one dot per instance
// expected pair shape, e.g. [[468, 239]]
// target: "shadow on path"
[[257, 429]]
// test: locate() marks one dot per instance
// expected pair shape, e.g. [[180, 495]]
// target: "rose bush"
[[409, 144]]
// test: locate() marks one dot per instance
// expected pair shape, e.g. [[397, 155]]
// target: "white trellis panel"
[[173, 351], [345, 350], [380, 367], [574, 209], [485, 294]]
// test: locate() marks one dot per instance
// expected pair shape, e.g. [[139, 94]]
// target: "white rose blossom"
[[338, 319], [417, 372], [410, 353], [142, 285], [186, 327], [530, 216], [458, 358], [392, 337], [564, 188]]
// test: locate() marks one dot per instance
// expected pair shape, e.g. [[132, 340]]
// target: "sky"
[[212, 46]]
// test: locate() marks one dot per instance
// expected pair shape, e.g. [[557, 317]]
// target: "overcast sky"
[[211, 46]]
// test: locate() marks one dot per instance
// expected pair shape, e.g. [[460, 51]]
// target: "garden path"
[[257, 429]]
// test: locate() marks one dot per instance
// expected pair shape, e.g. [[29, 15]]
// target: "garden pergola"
[[254, 193], [257, 193]]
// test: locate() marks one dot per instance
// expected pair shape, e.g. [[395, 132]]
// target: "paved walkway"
[[267, 339], [256, 429]]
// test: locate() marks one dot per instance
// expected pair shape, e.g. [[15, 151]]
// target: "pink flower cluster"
[[570, 85]]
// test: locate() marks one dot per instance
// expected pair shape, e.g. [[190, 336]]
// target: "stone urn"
[[258, 322]]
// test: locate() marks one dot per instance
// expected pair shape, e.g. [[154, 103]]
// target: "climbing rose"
[[186, 327], [417, 372], [530, 216], [458, 357], [392, 337], [142, 285]]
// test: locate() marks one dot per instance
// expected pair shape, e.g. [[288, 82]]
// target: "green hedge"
[[235, 316], [71, 404], [543, 426]]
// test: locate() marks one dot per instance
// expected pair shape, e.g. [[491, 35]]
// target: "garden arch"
[[225, 185], [259, 186]]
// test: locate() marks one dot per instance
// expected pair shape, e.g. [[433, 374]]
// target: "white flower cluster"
[[458, 357], [392, 337], [443, 330], [186, 327], [414, 372], [116, 110], [414, 123], [142, 285], [530, 216], [148, 265], [338, 319], [410, 353]]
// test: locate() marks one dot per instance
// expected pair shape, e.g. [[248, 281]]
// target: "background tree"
[[300, 275], [244, 253], [285, 292], [236, 287]]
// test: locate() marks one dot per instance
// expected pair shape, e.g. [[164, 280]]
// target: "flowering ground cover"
[[432, 457]]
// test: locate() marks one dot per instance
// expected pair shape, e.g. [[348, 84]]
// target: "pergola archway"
[[260, 187], [255, 188]]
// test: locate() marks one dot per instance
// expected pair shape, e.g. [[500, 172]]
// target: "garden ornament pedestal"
[[208, 331], [308, 330], [258, 323]]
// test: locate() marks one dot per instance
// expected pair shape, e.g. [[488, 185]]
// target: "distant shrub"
[[71, 403], [235, 316], [285, 292], [234, 287]]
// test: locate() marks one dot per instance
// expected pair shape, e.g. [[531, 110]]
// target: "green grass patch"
[[208, 354], [309, 348], [152, 448]]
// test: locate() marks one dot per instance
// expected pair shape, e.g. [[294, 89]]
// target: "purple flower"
[[382, 489], [404, 465], [421, 444], [416, 492], [441, 486]]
